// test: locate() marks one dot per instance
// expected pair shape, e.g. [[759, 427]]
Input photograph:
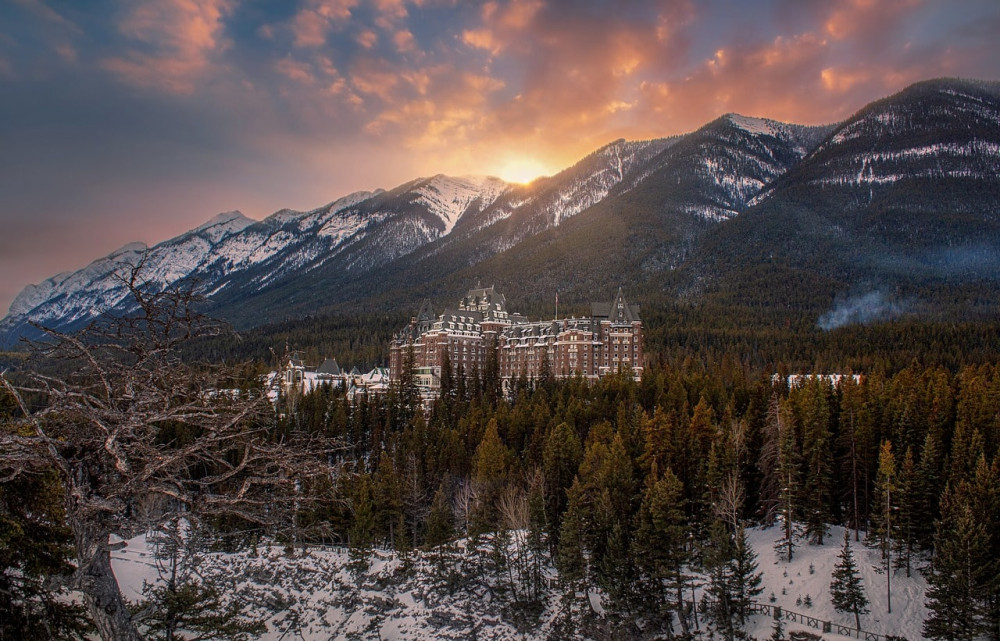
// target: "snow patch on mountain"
[[57, 287], [222, 225], [449, 198], [756, 126]]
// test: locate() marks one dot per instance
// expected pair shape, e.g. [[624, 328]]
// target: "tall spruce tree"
[[661, 546], [904, 519], [817, 455], [746, 579], [560, 461], [846, 590], [959, 574], [734, 579], [928, 490], [883, 514], [489, 474], [788, 476]]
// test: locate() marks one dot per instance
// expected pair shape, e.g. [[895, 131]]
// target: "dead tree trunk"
[[97, 581]]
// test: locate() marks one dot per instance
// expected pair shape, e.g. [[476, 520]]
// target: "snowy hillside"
[[890, 141], [735, 159], [445, 593], [233, 252]]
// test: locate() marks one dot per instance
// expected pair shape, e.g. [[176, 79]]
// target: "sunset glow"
[[138, 120], [522, 170]]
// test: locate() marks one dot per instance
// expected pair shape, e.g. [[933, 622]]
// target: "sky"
[[137, 120]]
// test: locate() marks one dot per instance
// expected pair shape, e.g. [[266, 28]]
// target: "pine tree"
[[777, 630], [660, 546], [734, 579], [560, 462], [186, 601], [788, 474], [882, 514], [489, 474], [440, 519], [768, 463], [851, 454], [362, 530], [388, 502], [613, 496], [817, 455], [958, 577], [846, 590], [928, 491], [35, 548], [904, 518], [746, 579], [717, 559]]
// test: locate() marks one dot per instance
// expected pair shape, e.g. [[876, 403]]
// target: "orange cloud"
[[404, 41], [481, 39], [295, 70], [367, 38], [177, 39], [312, 23], [841, 80], [850, 18]]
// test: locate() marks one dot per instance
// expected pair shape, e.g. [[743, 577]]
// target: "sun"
[[522, 170]]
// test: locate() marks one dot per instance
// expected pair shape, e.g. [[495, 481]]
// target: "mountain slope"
[[901, 202], [649, 223], [232, 253], [752, 216]]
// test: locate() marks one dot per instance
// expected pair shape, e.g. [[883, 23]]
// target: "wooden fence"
[[830, 627]]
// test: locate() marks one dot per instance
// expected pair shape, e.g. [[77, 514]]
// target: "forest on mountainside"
[[673, 333]]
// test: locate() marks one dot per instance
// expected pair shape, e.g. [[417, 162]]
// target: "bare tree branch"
[[140, 437]]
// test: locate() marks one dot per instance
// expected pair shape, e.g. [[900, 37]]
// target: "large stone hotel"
[[608, 341]]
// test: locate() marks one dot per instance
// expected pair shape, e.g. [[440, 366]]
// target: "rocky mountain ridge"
[[912, 177]]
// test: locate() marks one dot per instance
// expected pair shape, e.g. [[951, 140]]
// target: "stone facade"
[[608, 340]]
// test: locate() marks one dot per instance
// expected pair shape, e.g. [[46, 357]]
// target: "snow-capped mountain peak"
[[224, 224], [449, 198], [757, 126]]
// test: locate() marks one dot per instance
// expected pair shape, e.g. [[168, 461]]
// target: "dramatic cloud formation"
[[137, 120], [169, 43]]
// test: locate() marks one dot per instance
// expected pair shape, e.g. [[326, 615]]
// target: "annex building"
[[609, 340]]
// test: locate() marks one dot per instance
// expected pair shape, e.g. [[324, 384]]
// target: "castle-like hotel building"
[[608, 341]]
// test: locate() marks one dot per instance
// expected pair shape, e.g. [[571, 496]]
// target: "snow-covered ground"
[[318, 596], [792, 581]]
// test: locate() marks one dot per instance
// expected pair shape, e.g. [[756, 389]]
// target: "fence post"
[[777, 612]]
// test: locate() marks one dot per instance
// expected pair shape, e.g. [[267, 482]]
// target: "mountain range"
[[895, 211]]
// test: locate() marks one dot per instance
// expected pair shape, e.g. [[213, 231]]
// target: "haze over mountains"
[[894, 211]]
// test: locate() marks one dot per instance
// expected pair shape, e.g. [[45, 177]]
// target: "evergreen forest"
[[640, 489]]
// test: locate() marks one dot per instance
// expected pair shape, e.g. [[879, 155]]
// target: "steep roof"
[[617, 311], [329, 366], [426, 312]]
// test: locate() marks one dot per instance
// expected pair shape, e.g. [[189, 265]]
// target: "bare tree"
[[462, 503], [728, 506], [767, 464], [132, 422]]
